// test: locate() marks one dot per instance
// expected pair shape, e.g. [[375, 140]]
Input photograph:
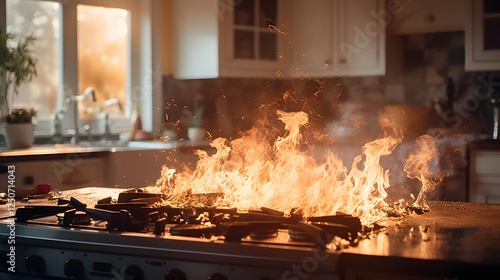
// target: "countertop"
[[50, 152], [453, 236], [450, 232]]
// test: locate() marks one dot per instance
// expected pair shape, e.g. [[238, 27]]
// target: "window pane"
[[244, 44], [244, 11], [103, 36], [268, 13], [268, 46], [41, 19]]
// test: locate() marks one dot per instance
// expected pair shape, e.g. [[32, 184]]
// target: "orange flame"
[[417, 167], [288, 174]]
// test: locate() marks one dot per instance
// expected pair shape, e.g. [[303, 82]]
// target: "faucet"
[[106, 136], [75, 99]]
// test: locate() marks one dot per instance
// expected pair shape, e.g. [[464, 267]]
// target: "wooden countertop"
[[60, 151], [453, 237]]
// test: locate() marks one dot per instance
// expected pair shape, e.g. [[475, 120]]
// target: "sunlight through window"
[[103, 36], [41, 19]]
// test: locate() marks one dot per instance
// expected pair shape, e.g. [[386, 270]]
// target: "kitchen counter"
[[58, 151], [452, 238], [486, 144]]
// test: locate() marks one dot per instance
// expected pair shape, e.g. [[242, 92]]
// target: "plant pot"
[[196, 133], [19, 135]]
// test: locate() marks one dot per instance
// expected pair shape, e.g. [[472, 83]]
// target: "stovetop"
[[451, 237], [123, 234]]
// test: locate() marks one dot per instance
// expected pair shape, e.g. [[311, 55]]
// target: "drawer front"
[[487, 163]]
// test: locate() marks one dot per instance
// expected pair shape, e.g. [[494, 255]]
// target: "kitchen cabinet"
[[75, 172], [244, 38], [143, 167], [135, 168], [484, 175], [71, 171], [482, 51], [338, 38], [277, 38], [428, 16]]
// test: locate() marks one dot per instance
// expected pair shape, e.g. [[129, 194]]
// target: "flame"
[[252, 172], [417, 167]]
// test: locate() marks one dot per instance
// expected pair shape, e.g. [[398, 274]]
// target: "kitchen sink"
[[93, 144]]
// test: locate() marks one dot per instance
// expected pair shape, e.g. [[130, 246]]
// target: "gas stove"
[[128, 238], [128, 235]]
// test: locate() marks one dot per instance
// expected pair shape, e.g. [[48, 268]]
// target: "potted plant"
[[17, 66], [19, 128]]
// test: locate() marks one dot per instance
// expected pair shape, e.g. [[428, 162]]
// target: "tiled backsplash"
[[425, 64], [233, 104]]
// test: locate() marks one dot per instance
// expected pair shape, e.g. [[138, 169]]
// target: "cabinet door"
[[427, 16], [313, 28], [74, 172], [27, 175], [253, 38], [484, 177], [194, 38], [482, 40], [136, 168], [360, 37], [338, 38]]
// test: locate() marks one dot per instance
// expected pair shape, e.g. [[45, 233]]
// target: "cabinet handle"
[[430, 18]]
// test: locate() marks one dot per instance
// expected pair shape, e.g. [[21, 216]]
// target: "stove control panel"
[[63, 263]]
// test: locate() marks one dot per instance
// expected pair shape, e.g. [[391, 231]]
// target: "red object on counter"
[[41, 189]]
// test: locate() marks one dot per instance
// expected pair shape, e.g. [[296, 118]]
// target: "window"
[[41, 19], [103, 36], [82, 45]]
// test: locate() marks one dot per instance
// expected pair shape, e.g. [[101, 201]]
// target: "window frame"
[[144, 73]]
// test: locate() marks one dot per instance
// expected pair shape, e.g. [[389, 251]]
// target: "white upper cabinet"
[[313, 47], [338, 38], [254, 38], [360, 37], [482, 51], [229, 38], [277, 38], [425, 16]]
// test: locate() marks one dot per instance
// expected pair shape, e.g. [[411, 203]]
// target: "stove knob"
[[218, 276], [175, 274], [35, 263], [133, 272], [73, 268]]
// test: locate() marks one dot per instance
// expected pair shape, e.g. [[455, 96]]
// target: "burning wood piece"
[[73, 217], [350, 221], [129, 195], [193, 230], [251, 216], [235, 231], [204, 199], [105, 200], [273, 212], [310, 232]]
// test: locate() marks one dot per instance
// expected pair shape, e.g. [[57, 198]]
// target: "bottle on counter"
[[57, 137], [136, 123]]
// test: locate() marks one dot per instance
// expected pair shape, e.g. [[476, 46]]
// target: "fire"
[[288, 174], [417, 167]]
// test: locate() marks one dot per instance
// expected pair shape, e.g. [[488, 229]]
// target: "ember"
[[250, 172]]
